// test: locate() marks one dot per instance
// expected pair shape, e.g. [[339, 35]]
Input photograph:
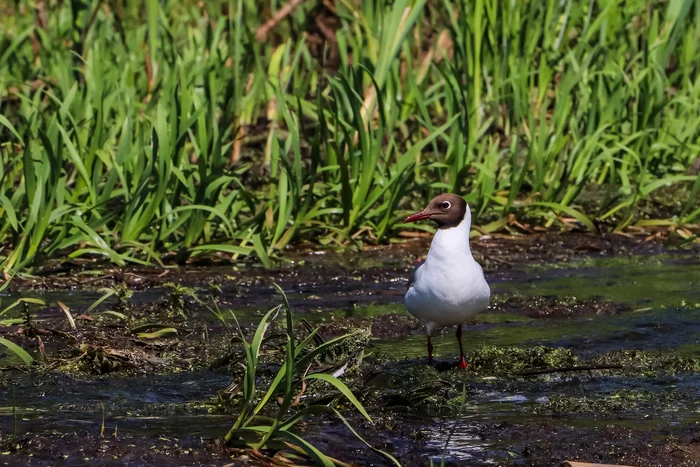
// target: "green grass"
[[146, 132], [253, 430]]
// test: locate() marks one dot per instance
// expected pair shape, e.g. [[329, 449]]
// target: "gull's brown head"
[[446, 210]]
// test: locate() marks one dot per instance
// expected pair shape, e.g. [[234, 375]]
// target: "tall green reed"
[[138, 131]]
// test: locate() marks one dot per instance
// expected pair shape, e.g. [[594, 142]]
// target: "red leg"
[[462, 361], [430, 352]]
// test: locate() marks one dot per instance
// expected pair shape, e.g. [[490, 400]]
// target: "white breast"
[[450, 286]]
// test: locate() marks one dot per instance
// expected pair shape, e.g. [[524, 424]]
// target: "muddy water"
[[595, 306]]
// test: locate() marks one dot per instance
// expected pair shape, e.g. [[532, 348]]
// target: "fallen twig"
[[288, 9], [588, 464], [569, 368], [296, 400], [675, 445]]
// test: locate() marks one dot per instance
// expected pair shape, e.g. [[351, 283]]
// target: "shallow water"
[[652, 281], [662, 294]]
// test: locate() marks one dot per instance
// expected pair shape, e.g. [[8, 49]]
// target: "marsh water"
[[639, 310]]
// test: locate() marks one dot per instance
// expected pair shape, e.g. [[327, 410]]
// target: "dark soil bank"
[[588, 352]]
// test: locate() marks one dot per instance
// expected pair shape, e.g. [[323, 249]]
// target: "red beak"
[[416, 217]]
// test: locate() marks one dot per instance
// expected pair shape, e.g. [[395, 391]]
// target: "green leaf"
[[315, 454], [261, 251], [384, 454], [342, 387], [666, 181], [34, 301], [115, 314], [260, 331], [235, 249], [4, 121], [11, 321], [307, 358], [19, 351], [10, 211], [166, 332], [104, 297], [568, 210], [148, 326], [78, 161]]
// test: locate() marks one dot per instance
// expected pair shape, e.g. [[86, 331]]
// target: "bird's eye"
[[445, 205]]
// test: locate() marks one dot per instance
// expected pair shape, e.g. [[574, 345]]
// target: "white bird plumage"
[[449, 287]]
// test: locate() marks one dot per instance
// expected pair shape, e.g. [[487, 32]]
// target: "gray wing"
[[412, 279]]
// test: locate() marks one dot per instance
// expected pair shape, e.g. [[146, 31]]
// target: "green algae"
[[372, 310], [486, 317], [522, 331], [535, 332], [494, 360], [654, 281], [375, 310], [350, 348], [650, 363], [560, 306], [501, 318], [621, 401]]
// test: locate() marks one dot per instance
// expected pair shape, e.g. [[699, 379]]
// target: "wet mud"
[[589, 351]]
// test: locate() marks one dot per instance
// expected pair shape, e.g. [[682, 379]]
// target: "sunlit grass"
[[153, 132], [252, 429]]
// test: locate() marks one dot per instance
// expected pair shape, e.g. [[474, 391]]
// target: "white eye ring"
[[445, 205]]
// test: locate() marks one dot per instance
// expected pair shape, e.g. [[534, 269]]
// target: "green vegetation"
[[510, 360], [9, 345], [142, 132], [268, 399], [682, 360], [624, 400], [255, 431]]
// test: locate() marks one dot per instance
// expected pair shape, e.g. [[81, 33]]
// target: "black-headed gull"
[[449, 286]]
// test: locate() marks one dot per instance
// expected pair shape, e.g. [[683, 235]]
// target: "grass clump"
[[510, 360], [349, 349], [253, 429]]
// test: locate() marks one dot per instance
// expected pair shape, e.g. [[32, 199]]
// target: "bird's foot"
[[463, 363]]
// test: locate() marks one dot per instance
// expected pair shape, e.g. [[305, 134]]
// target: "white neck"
[[452, 242]]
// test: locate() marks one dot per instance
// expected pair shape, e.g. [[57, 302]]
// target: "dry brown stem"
[[288, 9]]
